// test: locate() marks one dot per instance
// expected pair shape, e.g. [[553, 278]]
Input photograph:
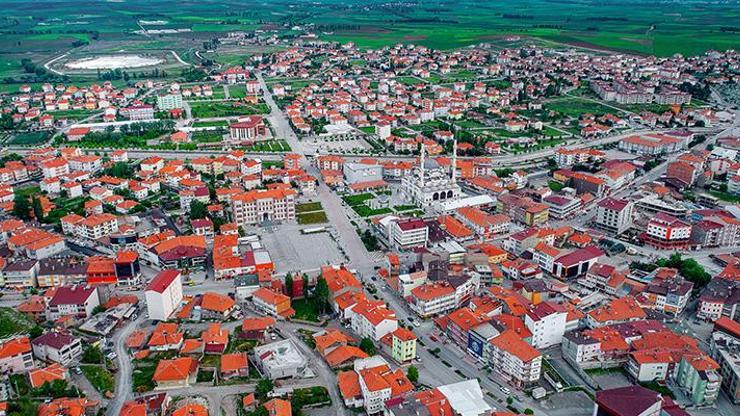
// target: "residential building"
[[699, 377], [546, 321], [614, 215], [16, 355], [516, 360], [164, 295], [58, 347], [78, 301]]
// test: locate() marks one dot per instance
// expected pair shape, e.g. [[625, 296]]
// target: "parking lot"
[[568, 403], [293, 251]]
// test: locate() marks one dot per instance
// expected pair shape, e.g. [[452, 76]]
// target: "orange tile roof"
[[215, 334], [15, 347], [512, 343], [165, 334], [349, 384], [48, 374], [234, 362], [216, 302], [431, 291], [344, 354], [454, 227], [175, 370], [191, 409], [258, 323], [278, 407]]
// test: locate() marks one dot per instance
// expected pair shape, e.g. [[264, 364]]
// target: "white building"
[[78, 301], [513, 358], [58, 347], [546, 321], [169, 101], [373, 320], [164, 294], [614, 215], [281, 359]]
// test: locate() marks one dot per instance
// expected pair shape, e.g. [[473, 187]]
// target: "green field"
[[574, 107], [13, 322], [47, 29], [29, 139]]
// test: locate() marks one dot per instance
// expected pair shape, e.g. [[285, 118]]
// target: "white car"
[[505, 390]]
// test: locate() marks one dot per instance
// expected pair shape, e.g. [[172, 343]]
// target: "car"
[[505, 390]]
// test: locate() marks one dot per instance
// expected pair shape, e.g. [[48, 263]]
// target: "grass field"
[[99, 377], [13, 322], [574, 107], [316, 217], [29, 139], [689, 27], [226, 109]]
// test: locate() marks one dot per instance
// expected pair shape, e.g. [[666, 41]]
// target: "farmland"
[[660, 28]]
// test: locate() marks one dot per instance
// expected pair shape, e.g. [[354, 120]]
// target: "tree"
[[98, 309], [21, 207], [289, 285], [368, 346], [264, 387], [198, 210], [322, 294], [38, 210], [35, 332], [92, 355], [412, 373]]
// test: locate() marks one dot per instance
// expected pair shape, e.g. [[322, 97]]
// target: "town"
[[325, 229]]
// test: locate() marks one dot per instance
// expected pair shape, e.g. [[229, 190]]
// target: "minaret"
[[421, 164], [454, 160]]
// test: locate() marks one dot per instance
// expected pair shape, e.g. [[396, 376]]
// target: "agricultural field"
[[660, 28]]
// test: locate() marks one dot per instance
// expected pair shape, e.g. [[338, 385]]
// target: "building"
[[373, 320], [699, 377], [652, 144], [546, 321], [408, 233], [429, 183], [509, 355], [16, 356], [169, 101], [614, 215], [257, 206], [724, 350], [248, 130], [628, 401], [164, 294], [669, 296], [403, 346], [666, 232], [433, 299], [281, 359], [272, 303], [355, 173], [58, 347], [721, 297], [77, 301], [175, 373]]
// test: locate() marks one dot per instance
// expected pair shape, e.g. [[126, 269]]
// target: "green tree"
[[412, 373], [368, 346], [289, 285], [322, 294], [35, 332], [198, 210], [21, 207], [92, 355], [264, 387], [38, 210]]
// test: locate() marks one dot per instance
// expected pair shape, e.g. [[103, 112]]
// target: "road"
[[124, 386]]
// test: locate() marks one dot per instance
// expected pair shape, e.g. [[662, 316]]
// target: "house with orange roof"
[[68, 407], [39, 376], [272, 303], [349, 388], [509, 355], [378, 383], [216, 306], [234, 365], [433, 299], [191, 409], [166, 337], [278, 407], [373, 320], [175, 373], [256, 328], [215, 339], [699, 375], [618, 310]]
